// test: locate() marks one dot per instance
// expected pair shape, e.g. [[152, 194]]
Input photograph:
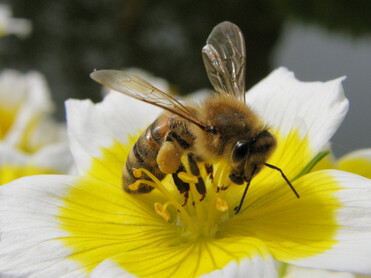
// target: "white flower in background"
[[14, 164], [30, 139], [357, 162], [9, 25], [26, 121], [87, 226]]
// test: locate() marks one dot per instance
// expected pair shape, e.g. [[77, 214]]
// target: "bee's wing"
[[224, 57], [134, 86]]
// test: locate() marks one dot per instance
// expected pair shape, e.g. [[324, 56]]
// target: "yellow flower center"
[[199, 211]]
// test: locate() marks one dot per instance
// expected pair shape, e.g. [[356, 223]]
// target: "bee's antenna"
[[238, 208], [284, 177]]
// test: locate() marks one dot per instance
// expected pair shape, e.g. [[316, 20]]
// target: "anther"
[[137, 173], [135, 186], [221, 205], [162, 211]]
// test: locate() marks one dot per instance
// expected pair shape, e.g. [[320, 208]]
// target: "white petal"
[[198, 95], [20, 27], [352, 253], [13, 88], [301, 272], [92, 126], [9, 155], [48, 131], [31, 91], [254, 267], [56, 157], [109, 269], [315, 109], [30, 88], [9, 25], [30, 230]]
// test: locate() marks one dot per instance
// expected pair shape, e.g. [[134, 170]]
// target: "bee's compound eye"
[[240, 150]]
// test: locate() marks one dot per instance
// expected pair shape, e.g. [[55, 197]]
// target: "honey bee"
[[221, 127]]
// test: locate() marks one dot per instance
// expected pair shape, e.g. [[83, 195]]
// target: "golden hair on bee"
[[231, 120]]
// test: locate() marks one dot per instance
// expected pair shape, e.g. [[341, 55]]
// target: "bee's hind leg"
[[168, 157], [182, 186], [200, 185], [169, 160]]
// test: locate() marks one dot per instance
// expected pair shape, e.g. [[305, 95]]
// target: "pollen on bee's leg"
[[221, 205], [162, 211]]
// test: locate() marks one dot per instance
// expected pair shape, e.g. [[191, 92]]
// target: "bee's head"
[[249, 155]]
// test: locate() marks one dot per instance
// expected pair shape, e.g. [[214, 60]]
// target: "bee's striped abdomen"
[[144, 154]]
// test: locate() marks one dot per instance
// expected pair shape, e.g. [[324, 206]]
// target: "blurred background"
[[318, 40]]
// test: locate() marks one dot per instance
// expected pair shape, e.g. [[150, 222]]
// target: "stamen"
[[137, 173], [135, 186], [188, 178], [162, 211], [221, 205], [207, 206], [199, 209], [157, 184]]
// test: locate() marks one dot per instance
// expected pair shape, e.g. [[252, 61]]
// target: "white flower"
[[14, 164], [357, 162], [26, 122], [31, 141], [86, 225], [301, 272], [9, 25]]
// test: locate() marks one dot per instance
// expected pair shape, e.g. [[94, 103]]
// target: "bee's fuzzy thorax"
[[232, 119]]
